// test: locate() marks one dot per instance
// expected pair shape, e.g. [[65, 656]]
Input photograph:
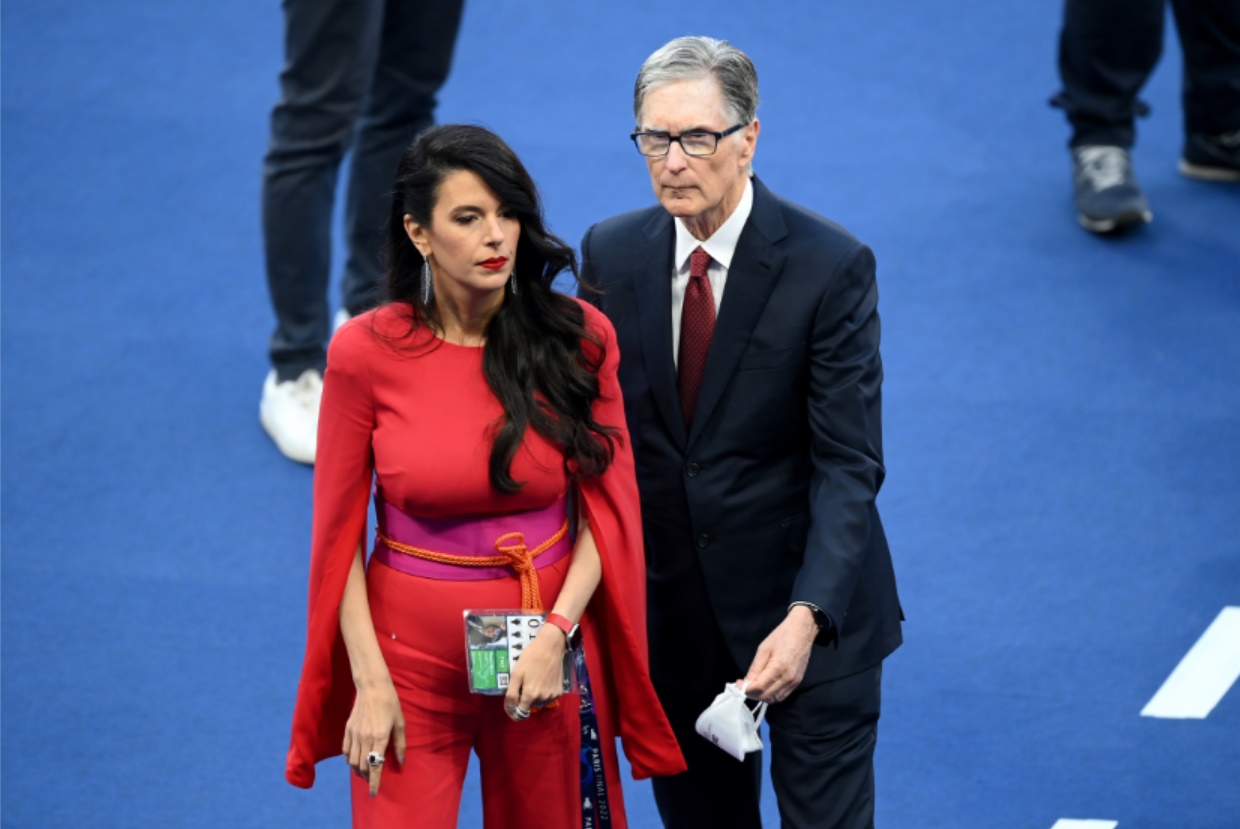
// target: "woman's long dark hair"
[[533, 360]]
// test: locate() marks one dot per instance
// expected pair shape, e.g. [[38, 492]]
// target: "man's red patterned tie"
[[697, 324]]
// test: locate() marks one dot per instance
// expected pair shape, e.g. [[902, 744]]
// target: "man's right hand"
[[781, 660]]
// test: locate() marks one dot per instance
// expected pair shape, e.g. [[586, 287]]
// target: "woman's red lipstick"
[[494, 264]]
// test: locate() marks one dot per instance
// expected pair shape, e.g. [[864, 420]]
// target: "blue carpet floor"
[[1062, 411]]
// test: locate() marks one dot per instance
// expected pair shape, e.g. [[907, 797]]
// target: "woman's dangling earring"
[[512, 282], [428, 289]]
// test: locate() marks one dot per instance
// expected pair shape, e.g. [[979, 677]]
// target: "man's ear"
[[750, 140]]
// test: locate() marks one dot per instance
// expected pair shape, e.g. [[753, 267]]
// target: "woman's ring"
[[374, 758], [521, 713]]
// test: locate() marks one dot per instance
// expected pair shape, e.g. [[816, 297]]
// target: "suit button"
[[703, 541], [692, 470]]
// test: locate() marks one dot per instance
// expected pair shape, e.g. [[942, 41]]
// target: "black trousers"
[[822, 743], [1108, 48], [360, 76]]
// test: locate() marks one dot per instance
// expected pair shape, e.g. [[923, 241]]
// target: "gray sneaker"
[[1108, 198]]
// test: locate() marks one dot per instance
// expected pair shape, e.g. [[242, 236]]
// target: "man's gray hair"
[[690, 58]]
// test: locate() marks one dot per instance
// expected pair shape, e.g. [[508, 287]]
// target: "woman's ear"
[[417, 235]]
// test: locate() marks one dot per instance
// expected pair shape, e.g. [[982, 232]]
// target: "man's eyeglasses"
[[694, 142]]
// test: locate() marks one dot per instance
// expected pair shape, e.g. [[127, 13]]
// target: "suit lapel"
[[652, 287], [756, 266]]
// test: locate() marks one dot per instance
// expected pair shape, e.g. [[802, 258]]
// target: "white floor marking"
[[1065, 823], [1204, 675]]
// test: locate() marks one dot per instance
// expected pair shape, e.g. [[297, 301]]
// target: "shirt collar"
[[722, 243]]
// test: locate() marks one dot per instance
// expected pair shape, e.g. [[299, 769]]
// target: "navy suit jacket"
[[768, 496]]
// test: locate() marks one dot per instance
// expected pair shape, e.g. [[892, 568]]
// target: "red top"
[[415, 414]]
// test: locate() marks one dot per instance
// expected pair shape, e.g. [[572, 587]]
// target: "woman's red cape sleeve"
[[618, 608], [343, 472]]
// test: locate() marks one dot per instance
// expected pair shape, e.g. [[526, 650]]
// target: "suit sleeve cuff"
[[827, 634]]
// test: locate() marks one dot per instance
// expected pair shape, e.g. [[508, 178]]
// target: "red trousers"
[[530, 770]]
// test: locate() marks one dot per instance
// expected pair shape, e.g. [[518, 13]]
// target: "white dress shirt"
[[721, 246]]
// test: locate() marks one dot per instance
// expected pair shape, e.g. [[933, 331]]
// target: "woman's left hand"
[[538, 676]]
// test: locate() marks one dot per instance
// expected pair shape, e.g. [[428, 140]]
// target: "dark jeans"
[[1108, 48], [359, 76]]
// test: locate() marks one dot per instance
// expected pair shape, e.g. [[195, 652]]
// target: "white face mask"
[[731, 724]]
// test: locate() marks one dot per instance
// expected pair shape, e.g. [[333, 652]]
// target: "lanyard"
[[595, 807]]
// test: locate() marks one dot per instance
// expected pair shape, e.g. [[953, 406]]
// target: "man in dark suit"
[[749, 333]]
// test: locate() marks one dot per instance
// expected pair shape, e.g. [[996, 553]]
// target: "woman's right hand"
[[376, 722]]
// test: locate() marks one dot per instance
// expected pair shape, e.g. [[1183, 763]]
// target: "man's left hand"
[[779, 666]]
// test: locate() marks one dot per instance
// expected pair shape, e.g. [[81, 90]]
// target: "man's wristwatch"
[[572, 633], [821, 619]]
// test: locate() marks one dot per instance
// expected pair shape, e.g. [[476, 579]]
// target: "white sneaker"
[[289, 411]]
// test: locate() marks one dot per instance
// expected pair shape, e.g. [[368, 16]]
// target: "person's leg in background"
[[414, 57], [1210, 40], [329, 62], [1107, 50]]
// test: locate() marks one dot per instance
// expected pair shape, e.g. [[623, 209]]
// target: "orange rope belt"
[[512, 552]]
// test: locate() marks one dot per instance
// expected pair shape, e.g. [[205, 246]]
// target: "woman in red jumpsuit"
[[474, 404]]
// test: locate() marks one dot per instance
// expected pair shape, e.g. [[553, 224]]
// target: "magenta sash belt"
[[471, 537]]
